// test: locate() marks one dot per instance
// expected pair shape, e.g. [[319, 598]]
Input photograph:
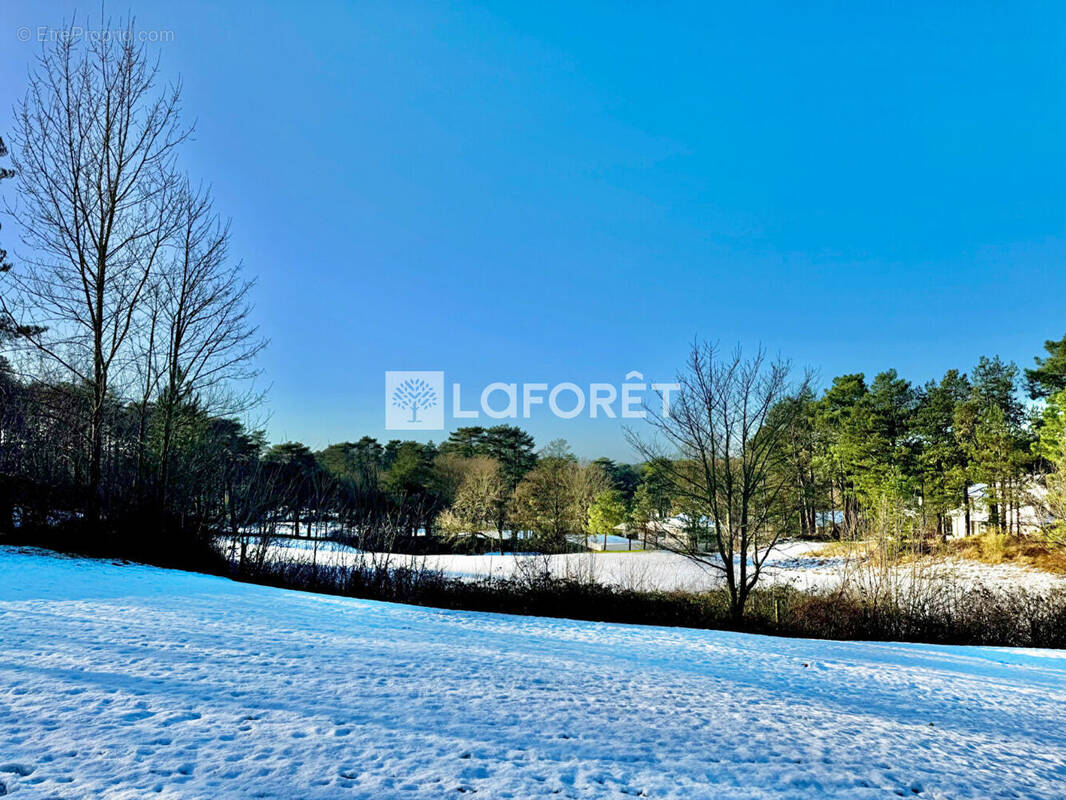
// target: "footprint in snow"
[[184, 716]]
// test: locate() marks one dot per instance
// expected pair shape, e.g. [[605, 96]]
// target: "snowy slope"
[[133, 682]]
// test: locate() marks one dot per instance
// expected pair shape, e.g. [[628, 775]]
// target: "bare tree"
[[94, 154], [586, 482], [477, 499], [725, 429], [209, 342], [5, 173]]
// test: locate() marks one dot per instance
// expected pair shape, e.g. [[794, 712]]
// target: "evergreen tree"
[[943, 466], [1049, 375], [838, 425], [656, 486], [990, 427], [644, 515], [802, 496], [466, 442], [882, 450], [623, 477], [511, 446]]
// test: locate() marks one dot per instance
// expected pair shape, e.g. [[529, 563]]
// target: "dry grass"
[[1000, 548], [989, 548], [848, 548]]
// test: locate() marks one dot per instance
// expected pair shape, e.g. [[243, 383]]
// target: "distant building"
[[672, 533], [1027, 517]]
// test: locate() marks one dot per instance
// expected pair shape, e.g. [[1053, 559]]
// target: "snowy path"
[[134, 682]]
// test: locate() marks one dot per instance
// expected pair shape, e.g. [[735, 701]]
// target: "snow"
[[795, 563], [124, 681]]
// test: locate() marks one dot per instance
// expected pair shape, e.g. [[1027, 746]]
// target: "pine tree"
[[943, 466], [1049, 375]]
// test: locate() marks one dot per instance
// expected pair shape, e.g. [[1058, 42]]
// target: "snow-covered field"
[[795, 563], [122, 681]]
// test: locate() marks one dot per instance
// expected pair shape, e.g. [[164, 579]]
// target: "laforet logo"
[[414, 394], [414, 401]]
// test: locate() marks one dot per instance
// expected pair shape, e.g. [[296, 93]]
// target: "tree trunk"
[[96, 447]]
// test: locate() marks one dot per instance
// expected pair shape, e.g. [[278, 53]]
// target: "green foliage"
[[943, 466], [1051, 447], [1049, 375], [880, 446], [623, 477], [410, 466], [554, 497], [509, 445], [1051, 440], [656, 487], [359, 462], [606, 513], [917, 448]]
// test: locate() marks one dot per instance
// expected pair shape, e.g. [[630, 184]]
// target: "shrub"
[[978, 616]]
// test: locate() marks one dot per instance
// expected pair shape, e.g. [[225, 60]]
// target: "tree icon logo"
[[414, 395], [414, 401]]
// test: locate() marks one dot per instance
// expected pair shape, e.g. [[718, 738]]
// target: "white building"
[[1029, 516]]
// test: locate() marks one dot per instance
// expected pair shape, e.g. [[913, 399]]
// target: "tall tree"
[[625, 478], [839, 429], [359, 462], [729, 446], [803, 491], [412, 482], [510, 447], [990, 426], [883, 449], [1050, 447], [94, 154], [944, 470], [466, 442], [5, 265], [203, 316]]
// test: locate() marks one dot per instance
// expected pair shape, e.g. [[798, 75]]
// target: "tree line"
[[926, 447]]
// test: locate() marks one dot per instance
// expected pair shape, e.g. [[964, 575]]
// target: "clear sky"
[[568, 191]]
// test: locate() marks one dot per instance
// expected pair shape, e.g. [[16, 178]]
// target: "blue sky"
[[565, 192]]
